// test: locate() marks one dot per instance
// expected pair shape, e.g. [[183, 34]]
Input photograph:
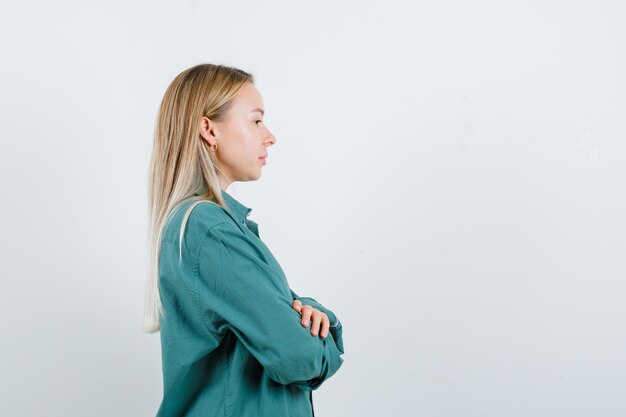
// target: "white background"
[[449, 179]]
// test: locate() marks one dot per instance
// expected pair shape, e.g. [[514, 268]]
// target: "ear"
[[208, 130]]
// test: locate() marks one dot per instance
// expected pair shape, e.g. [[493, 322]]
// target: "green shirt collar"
[[236, 208]]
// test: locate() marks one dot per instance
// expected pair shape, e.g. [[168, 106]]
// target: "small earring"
[[212, 148]]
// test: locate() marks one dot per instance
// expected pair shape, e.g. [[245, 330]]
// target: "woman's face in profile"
[[242, 138]]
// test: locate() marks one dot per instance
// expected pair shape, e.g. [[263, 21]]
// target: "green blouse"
[[231, 343]]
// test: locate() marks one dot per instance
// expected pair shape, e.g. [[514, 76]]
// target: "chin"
[[254, 177]]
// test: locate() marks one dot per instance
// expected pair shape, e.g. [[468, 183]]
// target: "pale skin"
[[242, 140]]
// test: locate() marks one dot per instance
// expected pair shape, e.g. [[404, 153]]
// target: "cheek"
[[243, 145], [250, 142], [242, 150]]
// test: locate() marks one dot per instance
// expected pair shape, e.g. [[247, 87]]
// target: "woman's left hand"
[[318, 317]]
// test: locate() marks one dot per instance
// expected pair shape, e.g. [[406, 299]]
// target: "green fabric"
[[231, 343], [335, 325]]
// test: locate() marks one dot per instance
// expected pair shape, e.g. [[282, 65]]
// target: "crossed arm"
[[235, 284], [310, 308]]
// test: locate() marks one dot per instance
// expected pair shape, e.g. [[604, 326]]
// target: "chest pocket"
[[254, 227]]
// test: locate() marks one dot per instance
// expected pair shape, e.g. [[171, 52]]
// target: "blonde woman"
[[235, 339]]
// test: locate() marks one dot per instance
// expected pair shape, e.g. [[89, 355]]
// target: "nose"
[[271, 137]]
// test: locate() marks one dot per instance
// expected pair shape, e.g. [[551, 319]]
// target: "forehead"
[[248, 98]]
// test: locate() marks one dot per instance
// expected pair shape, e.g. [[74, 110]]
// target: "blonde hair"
[[182, 164]]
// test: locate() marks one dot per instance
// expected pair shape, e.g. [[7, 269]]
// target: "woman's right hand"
[[319, 318]]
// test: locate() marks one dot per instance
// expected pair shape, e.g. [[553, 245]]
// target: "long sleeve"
[[239, 290], [335, 329]]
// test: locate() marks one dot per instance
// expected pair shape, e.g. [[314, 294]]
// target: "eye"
[[258, 121]]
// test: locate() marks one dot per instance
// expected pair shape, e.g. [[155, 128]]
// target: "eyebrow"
[[259, 110]]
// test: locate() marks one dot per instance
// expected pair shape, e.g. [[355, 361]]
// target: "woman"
[[235, 339]]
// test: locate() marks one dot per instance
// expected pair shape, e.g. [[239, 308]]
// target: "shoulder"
[[205, 214], [194, 218]]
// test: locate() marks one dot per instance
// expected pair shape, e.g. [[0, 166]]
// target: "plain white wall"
[[449, 178]]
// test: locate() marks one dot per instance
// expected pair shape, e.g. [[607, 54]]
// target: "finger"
[[297, 305], [325, 326], [315, 325], [306, 315]]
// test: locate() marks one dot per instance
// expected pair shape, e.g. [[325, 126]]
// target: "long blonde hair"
[[182, 163]]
